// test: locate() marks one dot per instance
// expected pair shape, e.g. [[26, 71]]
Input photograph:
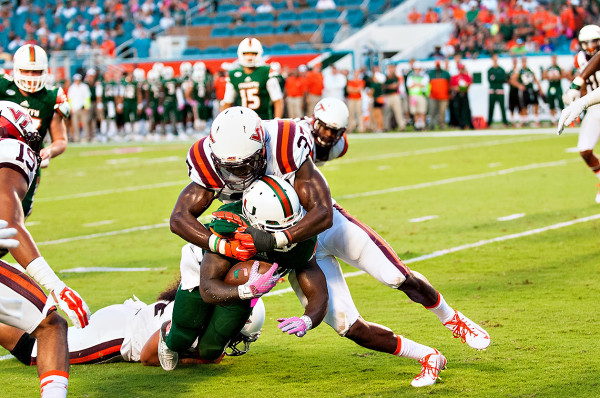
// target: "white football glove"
[[570, 113], [571, 96], [6, 233]]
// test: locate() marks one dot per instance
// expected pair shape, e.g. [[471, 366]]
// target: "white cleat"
[[431, 366], [468, 331], [167, 357]]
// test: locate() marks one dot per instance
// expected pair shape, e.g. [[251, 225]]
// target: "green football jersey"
[[554, 74], [296, 257], [109, 91], [41, 105], [170, 87], [526, 77], [251, 90]]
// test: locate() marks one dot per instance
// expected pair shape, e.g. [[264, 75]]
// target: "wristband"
[[307, 321], [41, 272], [282, 239], [216, 244], [245, 292], [577, 83]]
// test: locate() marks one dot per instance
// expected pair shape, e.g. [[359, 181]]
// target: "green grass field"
[[536, 293]]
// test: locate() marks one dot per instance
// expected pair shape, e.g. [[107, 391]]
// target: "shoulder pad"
[[200, 167]]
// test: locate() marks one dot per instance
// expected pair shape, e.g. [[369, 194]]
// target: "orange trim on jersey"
[[399, 346], [200, 162], [54, 373], [96, 355], [345, 138], [284, 144], [31, 288]]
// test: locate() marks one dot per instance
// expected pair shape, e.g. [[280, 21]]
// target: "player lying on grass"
[[213, 311], [124, 332], [23, 303]]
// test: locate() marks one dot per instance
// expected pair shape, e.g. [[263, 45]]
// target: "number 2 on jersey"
[[250, 98]]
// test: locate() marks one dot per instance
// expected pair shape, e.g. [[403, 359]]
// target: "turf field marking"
[[98, 223], [32, 223], [103, 234], [113, 191], [424, 218], [572, 150], [5, 357], [511, 217], [83, 270], [495, 164], [471, 177], [446, 148], [443, 252], [438, 166]]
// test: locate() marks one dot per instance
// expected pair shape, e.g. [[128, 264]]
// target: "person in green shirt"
[[554, 74], [530, 87], [496, 79], [254, 85]]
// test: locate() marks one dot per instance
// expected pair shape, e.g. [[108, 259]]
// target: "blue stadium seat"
[[351, 3], [281, 5], [232, 49], [309, 15], [302, 45], [285, 28], [192, 51], [263, 17], [201, 20], [213, 50], [263, 30], [227, 7], [330, 29], [222, 20], [287, 16], [71, 44], [142, 47], [242, 30], [279, 48], [220, 32], [395, 3], [308, 27], [330, 14], [355, 17], [375, 6]]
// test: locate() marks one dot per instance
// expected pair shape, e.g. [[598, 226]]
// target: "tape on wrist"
[[216, 244], [41, 272], [577, 83], [245, 292], [307, 321], [282, 239]]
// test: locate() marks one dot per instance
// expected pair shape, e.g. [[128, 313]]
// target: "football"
[[239, 273]]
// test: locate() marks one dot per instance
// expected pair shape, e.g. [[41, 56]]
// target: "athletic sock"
[[53, 384], [410, 349], [442, 309]]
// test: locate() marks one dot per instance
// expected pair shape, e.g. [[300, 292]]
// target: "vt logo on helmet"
[[237, 143], [16, 123]]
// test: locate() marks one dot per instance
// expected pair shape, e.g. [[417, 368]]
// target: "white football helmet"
[[276, 67], [30, 58], [167, 73], [198, 76], [250, 333], [589, 37], [271, 204], [330, 121], [237, 143], [139, 75], [250, 52], [153, 76], [16, 123], [185, 69], [158, 66], [199, 66]]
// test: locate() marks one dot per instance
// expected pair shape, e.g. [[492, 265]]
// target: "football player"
[[23, 304], [525, 79], [254, 85], [355, 243], [554, 74], [213, 311], [588, 79], [124, 332], [169, 102], [47, 106]]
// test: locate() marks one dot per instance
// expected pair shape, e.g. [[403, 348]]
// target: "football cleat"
[[431, 366], [167, 357], [468, 331]]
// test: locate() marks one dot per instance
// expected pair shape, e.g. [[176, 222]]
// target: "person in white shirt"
[[265, 7], [325, 5], [334, 83], [80, 98]]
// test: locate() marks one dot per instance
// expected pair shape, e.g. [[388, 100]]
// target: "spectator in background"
[[554, 74], [430, 16], [496, 76], [108, 47], [417, 84], [414, 16], [80, 99], [325, 5], [529, 88], [265, 7], [314, 87], [393, 100], [83, 49], [334, 83], [354, 89], [246, 8], [295, 89], [459, 87], [375, 85], [166, 21], [439, 93]]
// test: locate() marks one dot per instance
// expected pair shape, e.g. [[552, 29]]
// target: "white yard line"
[[496, 173], [551, 132], [98, 223], [439, 253], [83, 270], [511, 217], [103, 234], [424, 218]]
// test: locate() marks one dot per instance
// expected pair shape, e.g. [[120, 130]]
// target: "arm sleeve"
[[230, 93], [274, 89]]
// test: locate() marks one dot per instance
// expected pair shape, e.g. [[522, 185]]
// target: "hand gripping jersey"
[[18, 156], [288, 145], [41, 105], [337, 151]]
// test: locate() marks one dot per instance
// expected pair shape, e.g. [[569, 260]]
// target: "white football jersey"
[[337, 151], [144, 323], [287, 144], [581, 60], [18, 156]]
